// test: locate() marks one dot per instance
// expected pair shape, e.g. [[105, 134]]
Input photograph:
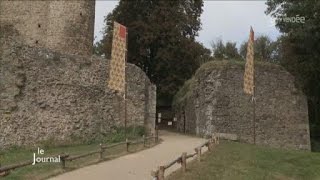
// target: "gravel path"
[[138, 166]]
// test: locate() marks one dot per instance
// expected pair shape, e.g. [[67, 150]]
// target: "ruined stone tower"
[[63, 26], [51, 89]]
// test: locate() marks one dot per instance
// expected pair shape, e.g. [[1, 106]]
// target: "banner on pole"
[[248, 85], [118, 58]]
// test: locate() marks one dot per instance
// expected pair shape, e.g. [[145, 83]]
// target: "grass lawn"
[[232, 160], [45, 170]]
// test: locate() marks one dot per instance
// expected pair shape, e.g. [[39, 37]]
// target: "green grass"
[[231, 160], [45, 170]]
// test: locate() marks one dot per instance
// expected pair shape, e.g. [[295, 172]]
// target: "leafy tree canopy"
[[300, 48], [301, 41], [161, 36], [224, 51], [264, 49]]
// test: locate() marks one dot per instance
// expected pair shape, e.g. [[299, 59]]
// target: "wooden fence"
[[159, 173], [4, 170]]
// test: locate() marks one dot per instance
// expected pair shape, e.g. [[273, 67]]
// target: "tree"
[[161, 36], [300, 48], [224, 51], [264, 49], [218, 49], [231, 51], [98, 48], [243, 49]]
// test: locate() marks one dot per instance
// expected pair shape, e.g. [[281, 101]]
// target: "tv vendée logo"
[[293, 19], [44, 159]]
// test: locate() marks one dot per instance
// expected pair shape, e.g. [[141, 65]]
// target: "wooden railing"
[[159, 173], [5, 170]]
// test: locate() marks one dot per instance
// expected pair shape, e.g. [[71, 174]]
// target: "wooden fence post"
[[63, 162], [144, 140], [127, 144], [154, 174], [184, 162], [101, 152], [4, 173], [210, 145], [214, 138], [198, 151], [157, 134], [161, 173]]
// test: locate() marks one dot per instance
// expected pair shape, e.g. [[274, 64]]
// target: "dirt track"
[[137, 166]]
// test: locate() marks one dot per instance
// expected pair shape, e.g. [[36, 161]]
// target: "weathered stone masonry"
[[215, 102], [46, 95], [60, 25]]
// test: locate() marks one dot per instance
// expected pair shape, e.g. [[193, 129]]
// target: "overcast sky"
[[228, 20]]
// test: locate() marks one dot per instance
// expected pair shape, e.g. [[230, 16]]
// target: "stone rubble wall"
[[63, 26], [49, 96], [215, 102]]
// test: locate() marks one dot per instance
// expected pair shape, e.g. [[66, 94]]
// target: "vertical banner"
[[248, 85], [249, 79], [118, 58]]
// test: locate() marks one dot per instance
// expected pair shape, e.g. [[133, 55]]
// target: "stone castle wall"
[[215, 102], [50, 96], [63, 26]]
